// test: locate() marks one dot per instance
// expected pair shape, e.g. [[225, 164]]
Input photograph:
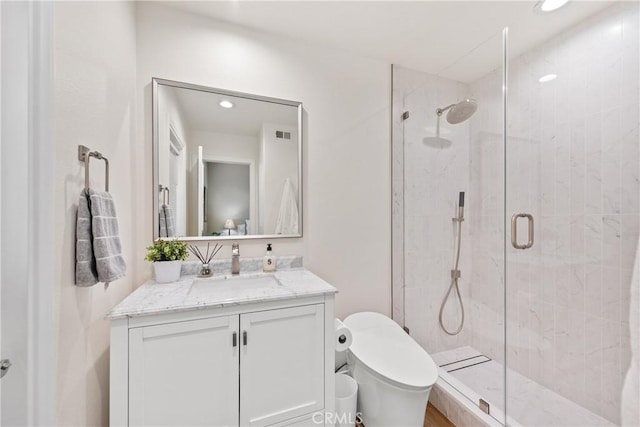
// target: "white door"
[[184, 373], [28, 335], [200, 204], [281, 364]]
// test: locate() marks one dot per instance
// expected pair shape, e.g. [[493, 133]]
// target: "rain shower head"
[[459, 112]]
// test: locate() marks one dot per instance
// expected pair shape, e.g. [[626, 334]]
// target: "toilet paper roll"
[[343, 336]]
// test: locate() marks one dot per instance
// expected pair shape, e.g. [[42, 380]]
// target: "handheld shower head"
[[461, 206]]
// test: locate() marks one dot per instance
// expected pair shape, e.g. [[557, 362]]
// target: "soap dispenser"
[[268, 261]]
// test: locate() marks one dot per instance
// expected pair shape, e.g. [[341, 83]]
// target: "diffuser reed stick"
[[206, 270]]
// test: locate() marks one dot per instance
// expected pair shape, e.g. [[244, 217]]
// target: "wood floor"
[[434, 418]]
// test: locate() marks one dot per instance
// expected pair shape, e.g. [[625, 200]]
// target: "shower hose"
[[455, 275]]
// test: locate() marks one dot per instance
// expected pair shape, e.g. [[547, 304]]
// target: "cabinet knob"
[[235, 339], [244, 337]]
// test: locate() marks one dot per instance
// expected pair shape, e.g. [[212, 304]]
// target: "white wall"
[[221, 145], [278, 161], [346, 150], [95, 105]]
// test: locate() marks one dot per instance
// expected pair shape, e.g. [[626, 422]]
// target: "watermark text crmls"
[[332, 418]]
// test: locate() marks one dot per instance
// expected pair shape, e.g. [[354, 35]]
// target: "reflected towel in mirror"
[[167, 223], [287, 222]]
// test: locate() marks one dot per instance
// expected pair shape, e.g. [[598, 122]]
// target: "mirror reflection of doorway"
[[228, 197]]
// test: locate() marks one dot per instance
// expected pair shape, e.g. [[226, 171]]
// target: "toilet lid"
[[385, 348]]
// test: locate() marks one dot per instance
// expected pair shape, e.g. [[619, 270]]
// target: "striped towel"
[[167, 226], [98, 258], [86, 273]]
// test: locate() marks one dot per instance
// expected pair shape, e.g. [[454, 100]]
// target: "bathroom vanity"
[[249, 350]]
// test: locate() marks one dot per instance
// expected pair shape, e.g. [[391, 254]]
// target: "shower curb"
[[457, 408]]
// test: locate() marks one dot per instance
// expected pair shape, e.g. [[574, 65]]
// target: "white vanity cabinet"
[[265, 363], [184, 373], [281, 364]]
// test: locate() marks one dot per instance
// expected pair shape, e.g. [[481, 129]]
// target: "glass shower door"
[[454, 308], [572, 207]]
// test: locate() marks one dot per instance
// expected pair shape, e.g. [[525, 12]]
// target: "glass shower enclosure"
[[532, 323]]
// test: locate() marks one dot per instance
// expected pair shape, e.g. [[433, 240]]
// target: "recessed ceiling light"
[[226, 104], [547, 78], [549, 5]]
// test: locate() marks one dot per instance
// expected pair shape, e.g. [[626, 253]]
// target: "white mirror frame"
[[155, 83]]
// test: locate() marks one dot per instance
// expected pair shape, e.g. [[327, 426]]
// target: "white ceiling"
[[456, 39], [203, 112]]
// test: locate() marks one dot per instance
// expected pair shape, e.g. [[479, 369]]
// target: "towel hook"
[[84, 155]]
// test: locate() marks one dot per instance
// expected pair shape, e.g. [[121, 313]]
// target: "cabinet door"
[[184, 373], [281, 364]]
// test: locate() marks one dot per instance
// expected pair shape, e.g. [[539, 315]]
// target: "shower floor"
[[529, 404]]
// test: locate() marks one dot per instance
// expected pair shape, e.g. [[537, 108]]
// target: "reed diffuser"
[[205, 270]]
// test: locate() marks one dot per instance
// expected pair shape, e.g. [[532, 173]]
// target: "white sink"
[[251, 281], [222, 290]]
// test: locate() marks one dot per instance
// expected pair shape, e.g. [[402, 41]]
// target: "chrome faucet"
[[235, 258]]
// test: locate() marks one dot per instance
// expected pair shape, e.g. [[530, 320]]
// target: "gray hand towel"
[[86, 273], [167, 227], [106, 240], [163, 222]]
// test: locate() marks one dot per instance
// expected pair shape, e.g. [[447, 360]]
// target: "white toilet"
[[394, 373]]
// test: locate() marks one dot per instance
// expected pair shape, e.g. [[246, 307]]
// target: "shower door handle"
[[514, 231]]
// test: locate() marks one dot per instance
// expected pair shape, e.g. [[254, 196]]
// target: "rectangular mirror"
[[227, 165]]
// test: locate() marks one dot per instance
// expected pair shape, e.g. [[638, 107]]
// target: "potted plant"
[[167, 257]]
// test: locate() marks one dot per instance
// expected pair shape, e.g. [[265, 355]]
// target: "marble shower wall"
[[427, 176], [572, 162]]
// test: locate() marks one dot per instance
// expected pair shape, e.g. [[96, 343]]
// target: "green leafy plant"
[[166, 250]]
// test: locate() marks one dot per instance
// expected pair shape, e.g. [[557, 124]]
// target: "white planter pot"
[[167, 271]]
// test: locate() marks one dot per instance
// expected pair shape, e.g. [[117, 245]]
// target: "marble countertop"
[[222, 290]]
